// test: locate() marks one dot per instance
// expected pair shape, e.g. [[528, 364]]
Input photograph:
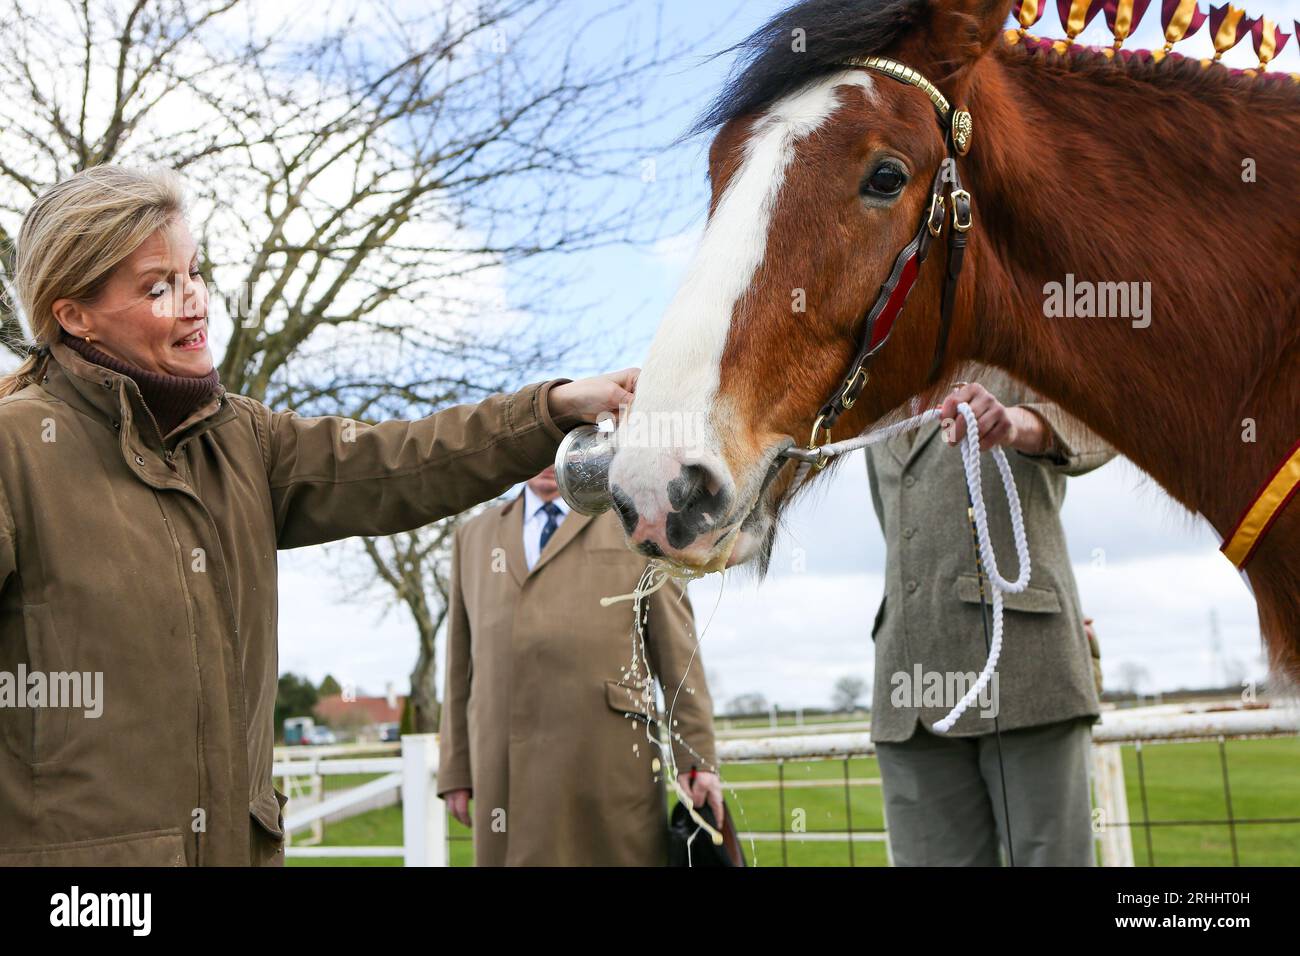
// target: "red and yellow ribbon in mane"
[[1181, 19], [1123, 16], [1268, 40], [1228, 26], [1075, 17], [1026, 13], [1264, 510]]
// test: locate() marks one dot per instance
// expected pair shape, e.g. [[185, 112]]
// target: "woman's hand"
[[1013, 427], [588, 398]]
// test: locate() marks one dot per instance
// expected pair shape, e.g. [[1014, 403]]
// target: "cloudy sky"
[[1147, 571]]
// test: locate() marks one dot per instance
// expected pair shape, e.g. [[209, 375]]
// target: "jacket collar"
[[905, 455], [565, 533], [923, 438], [115, 400], [510, 538]]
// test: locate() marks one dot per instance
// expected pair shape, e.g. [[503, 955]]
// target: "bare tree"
[[848, 691], [361, 176], [748, 705], [1132, 676], [410, 571]]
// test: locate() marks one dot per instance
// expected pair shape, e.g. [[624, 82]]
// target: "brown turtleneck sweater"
[[170, 398]]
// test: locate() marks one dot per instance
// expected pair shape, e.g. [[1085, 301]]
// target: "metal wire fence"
[[1175, 785], [1124, 789]]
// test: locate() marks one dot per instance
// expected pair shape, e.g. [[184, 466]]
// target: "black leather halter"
[[880, 318]]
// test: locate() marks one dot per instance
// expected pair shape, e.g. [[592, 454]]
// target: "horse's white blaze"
[[680, 380]]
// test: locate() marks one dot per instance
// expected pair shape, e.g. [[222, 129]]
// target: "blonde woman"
[[141, 507]]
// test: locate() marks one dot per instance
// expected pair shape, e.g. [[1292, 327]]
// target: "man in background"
[[549, 721], [944, 796]]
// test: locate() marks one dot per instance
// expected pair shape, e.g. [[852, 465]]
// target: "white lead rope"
[[970, 453]]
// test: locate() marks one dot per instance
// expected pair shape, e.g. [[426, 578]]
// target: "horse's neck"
[[1112, 180]]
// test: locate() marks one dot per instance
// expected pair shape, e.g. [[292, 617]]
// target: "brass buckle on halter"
[[812, 443], [957, 196], [845, 399], [937, 215]]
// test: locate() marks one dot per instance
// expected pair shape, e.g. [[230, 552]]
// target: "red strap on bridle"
[[888, 306], [894, 304]]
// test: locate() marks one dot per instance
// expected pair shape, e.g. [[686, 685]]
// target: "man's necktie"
[[552, 522]]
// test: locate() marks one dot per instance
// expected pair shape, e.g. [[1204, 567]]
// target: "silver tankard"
[[582, 469]]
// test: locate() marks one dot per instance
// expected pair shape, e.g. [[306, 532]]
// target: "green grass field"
[[1184, 784]]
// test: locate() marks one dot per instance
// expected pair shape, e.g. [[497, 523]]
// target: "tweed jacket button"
[[908, 532], [909, 481], [911, 587]]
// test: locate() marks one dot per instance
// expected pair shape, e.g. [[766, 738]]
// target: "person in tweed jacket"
[[944, 803]]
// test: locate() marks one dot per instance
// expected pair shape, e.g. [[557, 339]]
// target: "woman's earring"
[[87, 339]]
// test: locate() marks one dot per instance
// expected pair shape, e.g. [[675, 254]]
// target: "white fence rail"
[[413, 774]]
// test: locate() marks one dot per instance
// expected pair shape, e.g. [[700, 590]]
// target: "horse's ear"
[[960, 32]]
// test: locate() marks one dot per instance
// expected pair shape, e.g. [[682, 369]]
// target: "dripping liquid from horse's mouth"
[[757, 519], [754, 517]]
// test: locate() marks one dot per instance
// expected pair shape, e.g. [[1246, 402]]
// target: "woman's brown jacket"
[[148, 567]]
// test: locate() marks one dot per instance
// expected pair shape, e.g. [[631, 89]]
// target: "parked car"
[[389, 733], [320, 736]]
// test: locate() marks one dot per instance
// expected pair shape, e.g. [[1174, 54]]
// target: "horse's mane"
[[836, 31], [1173, 73]]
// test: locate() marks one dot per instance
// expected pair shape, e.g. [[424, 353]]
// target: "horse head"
[[821, 171]]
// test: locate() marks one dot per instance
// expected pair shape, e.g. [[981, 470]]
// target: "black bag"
[[701, 851]]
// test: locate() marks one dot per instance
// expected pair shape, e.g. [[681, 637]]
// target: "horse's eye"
[[887, 179]]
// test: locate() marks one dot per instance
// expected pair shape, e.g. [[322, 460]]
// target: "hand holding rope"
[[970, 452]]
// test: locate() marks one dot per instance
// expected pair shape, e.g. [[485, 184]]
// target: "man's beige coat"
[[545, 713]]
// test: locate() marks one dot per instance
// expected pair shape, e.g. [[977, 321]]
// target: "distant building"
[[359, 716]]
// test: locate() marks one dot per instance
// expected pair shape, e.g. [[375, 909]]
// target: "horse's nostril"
[[689, 488], [625, 508], [700, 502]]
